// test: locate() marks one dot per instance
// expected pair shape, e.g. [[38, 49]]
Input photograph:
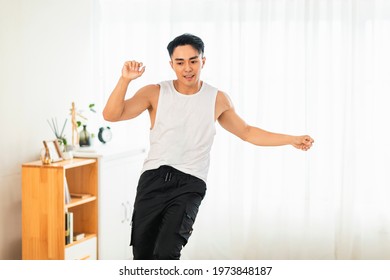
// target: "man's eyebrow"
[[191, 58]]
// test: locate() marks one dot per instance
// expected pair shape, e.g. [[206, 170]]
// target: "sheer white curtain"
[[316, 66]]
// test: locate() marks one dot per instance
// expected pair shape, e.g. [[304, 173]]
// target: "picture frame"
[[54, 150]]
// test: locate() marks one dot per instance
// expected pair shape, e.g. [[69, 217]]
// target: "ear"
[[203, 61], [171, 63]]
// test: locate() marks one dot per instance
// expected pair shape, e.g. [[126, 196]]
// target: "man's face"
[[187, 64]]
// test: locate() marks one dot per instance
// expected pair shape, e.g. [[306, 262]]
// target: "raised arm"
[[117, 108], [229, 120]]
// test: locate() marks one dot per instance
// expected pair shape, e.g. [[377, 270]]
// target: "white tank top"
[[183, 130]]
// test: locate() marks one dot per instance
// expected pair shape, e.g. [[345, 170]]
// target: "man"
[[182, 115]]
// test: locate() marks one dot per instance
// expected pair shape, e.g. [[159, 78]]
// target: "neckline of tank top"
[[172, 85]]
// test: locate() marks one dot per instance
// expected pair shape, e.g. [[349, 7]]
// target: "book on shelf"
[[68, 228], [78, 236], [66, 192], [71, 227], [80, 195]]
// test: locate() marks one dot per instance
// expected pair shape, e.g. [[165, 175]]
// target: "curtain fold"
[[305, 66]]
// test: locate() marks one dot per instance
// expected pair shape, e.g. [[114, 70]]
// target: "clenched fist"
[[303, 143]]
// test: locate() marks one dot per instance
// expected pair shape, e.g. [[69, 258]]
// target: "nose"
[[188, 67]]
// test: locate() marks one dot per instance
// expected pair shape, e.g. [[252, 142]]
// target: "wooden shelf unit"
[[43, 208]]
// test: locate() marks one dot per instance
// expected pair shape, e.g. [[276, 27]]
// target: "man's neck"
[[187, 90]]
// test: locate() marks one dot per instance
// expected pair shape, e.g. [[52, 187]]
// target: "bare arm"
[[117, 108], [230, 121]]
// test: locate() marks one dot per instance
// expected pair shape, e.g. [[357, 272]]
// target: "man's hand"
[[132, 70], [303, 143]]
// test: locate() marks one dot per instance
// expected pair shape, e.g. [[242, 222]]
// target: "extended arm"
[[230, 121], [117, 108]]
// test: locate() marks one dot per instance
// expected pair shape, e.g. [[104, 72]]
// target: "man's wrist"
[[291, 139], [125, 80]]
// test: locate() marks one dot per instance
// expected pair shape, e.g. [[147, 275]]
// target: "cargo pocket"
[[187, 224], [132, 230]]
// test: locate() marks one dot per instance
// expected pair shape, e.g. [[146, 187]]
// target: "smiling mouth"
[[188, 77]]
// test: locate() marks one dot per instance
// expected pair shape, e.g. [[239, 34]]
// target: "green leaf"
[[91, 107]]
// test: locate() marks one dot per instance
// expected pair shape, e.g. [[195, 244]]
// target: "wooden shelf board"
[[71, 163], [87, 236], [79, 201]]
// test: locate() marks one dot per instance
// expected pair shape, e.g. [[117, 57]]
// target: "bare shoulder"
[[222, 104], [149, 90], [150, 94], [223, 99]]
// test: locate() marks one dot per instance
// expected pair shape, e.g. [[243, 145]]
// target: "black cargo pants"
[[165, 209]]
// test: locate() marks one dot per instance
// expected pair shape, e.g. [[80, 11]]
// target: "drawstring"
[[168, 177]]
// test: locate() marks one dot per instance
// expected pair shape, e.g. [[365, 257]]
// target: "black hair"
[[186, 39]]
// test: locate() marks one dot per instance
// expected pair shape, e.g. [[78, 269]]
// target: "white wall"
[[46, 55]]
